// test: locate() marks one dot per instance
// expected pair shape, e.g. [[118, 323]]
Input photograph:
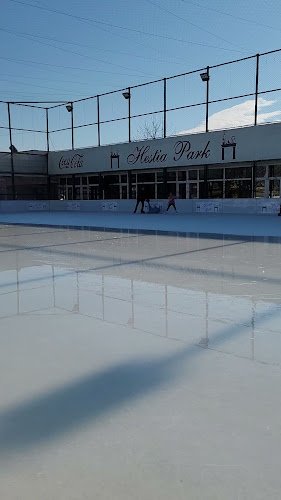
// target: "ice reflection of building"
[[243, 326]]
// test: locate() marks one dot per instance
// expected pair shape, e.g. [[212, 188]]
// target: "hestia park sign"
[[182, 149]]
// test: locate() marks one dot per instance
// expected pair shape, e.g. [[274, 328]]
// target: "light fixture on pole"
[[69, 107], [205, 77], [126, 94]]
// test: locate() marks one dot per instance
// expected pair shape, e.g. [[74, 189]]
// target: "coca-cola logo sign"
[[74, 161]]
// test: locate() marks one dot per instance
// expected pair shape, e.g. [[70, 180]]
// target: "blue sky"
[[67, 49]]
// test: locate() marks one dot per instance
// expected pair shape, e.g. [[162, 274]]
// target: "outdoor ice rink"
[[137, 365]]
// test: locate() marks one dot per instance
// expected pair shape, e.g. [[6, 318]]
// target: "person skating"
[[171, 202], [140, 199]]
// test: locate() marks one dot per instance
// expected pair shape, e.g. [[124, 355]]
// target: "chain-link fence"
[[237, 93]]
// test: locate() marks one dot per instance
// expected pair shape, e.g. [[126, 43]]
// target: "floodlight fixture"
[[205, 77], [126, 94]]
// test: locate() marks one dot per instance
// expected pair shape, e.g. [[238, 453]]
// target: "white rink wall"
[[239, 206]]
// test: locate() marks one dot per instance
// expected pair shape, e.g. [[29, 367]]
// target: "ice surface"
[[255, 225], [139, 366]]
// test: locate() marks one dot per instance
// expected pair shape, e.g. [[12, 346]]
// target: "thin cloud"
[[239, 115]]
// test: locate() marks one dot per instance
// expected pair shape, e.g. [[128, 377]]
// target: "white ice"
[[139, 366]]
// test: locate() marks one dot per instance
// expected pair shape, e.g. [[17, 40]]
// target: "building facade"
[[236, 163]]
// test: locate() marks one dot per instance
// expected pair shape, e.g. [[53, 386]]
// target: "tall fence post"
[[47, 129], [12, 154], [257, 88], [98, 113], [165, 108], [48, 149], [207, 99], [72, 127], [129, 113]]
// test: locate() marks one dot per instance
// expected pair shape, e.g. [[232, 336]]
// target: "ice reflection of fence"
[[187, 315], [243, 92]]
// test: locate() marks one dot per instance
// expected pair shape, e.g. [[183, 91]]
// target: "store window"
[[146, 177], [159, 176], [202, 190], [124, 192], [215, 173], [192, 175], [274, 170], [201, 174], [93, 192], [112, 192], [31, 187], [260, 170], [171, 188], [215, 189], [134, 191], [260, 189], [182, 190], [238, 173], [171, 175], [93, 179], [274, 188], [238, 189], [161, 191], [182, 175], [111, 188], [149, 190], [63, 181], [78, 193], [193, 190], [111, 179], [6, 188]]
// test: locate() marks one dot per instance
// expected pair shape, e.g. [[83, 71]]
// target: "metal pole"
[[48, 149], [72, 127], [165, 107], [207, 99], [12, 154], [254, 180], [257, 88], [47, 129], [129, 113], [98, 112]]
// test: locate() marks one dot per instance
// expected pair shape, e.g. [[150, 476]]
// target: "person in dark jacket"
[[140, 199]]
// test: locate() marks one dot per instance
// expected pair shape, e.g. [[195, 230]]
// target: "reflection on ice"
[[251, 325], [184, 288]]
